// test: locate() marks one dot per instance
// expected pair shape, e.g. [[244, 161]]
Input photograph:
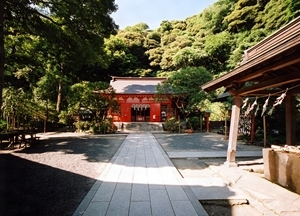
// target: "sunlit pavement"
[[140, 180]]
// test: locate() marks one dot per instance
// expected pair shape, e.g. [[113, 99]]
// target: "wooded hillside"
[[48, 48], [214, 39]]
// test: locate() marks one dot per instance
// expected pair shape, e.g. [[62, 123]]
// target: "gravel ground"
[[54, 175]]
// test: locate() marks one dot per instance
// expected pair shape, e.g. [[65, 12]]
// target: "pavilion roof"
[[135, 85], [271, 65]]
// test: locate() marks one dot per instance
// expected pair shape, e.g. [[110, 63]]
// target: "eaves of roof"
[[278, 45]]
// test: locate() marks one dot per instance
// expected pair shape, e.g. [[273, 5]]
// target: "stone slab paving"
[[214, 188], [213, 154], [140, 180], [199, 142]]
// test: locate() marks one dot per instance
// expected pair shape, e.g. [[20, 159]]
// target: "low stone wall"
[[282, 168], [131, 127]]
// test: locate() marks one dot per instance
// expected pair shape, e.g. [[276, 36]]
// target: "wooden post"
[[179, 123], [201, 121], [290, 113], [233, 133], [207, 115], [265, 132], [207, 123]]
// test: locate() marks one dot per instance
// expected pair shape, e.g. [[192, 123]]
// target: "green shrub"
[[79, 125], [3, 125], [172, 125], [194, 122]]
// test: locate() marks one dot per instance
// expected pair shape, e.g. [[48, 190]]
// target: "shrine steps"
[[136, 127]]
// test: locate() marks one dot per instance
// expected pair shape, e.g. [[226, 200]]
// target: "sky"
[[153, 12]]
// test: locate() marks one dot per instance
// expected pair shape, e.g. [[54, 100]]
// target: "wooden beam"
[[265, 92], [238, 73], [272, 83], [285, 62]]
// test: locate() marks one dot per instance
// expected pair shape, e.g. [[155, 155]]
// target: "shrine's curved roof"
[[135, 85]]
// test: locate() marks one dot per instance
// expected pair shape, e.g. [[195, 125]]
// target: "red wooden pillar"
[[125, 112], [207, 115], [155, 112]]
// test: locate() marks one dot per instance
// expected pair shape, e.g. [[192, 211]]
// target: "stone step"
[[129, 127]]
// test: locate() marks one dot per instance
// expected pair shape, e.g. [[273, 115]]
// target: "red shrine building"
[[136, 100]]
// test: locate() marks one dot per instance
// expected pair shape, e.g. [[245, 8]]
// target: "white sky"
[[153, 12]]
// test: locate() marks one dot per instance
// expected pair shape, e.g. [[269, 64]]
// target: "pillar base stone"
[[230, 164]]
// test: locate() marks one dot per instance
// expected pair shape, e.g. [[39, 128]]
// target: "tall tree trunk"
[[46, 117], [59, 95], [59, 92], [2, 56]]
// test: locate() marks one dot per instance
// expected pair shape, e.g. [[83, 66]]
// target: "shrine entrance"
[[140, 113]]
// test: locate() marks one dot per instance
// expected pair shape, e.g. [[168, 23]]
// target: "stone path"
[[140, 180]]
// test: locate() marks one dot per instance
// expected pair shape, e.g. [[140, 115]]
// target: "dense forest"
[[54, 55]]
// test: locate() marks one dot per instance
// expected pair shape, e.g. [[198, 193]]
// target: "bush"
[[194, 122], [172, 125], [79, 125], [105, 126], [3, 125]]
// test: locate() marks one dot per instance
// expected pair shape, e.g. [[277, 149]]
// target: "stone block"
[[282, 168]]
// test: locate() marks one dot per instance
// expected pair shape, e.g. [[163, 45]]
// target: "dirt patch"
[[53, 176]]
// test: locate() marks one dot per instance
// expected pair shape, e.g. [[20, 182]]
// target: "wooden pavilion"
[[271, 67], [136, 100]]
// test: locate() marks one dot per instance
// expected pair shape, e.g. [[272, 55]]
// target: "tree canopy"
[[48, 47], [184, 86], [72, 30]]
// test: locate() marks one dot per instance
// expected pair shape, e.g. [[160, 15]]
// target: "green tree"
[[218, 48], [140, 28], [90, 21], [18, 108], [243, 41], [293, 9], [244, 14], [165, 26], [88, 95], [184, 86], [187, 56], [273, 16]]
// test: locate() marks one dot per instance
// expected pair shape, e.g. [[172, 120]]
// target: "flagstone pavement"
[[140, 180]]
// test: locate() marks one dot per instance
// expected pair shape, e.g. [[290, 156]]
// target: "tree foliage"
[[56, 49], [67, 26], [184, 85]]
